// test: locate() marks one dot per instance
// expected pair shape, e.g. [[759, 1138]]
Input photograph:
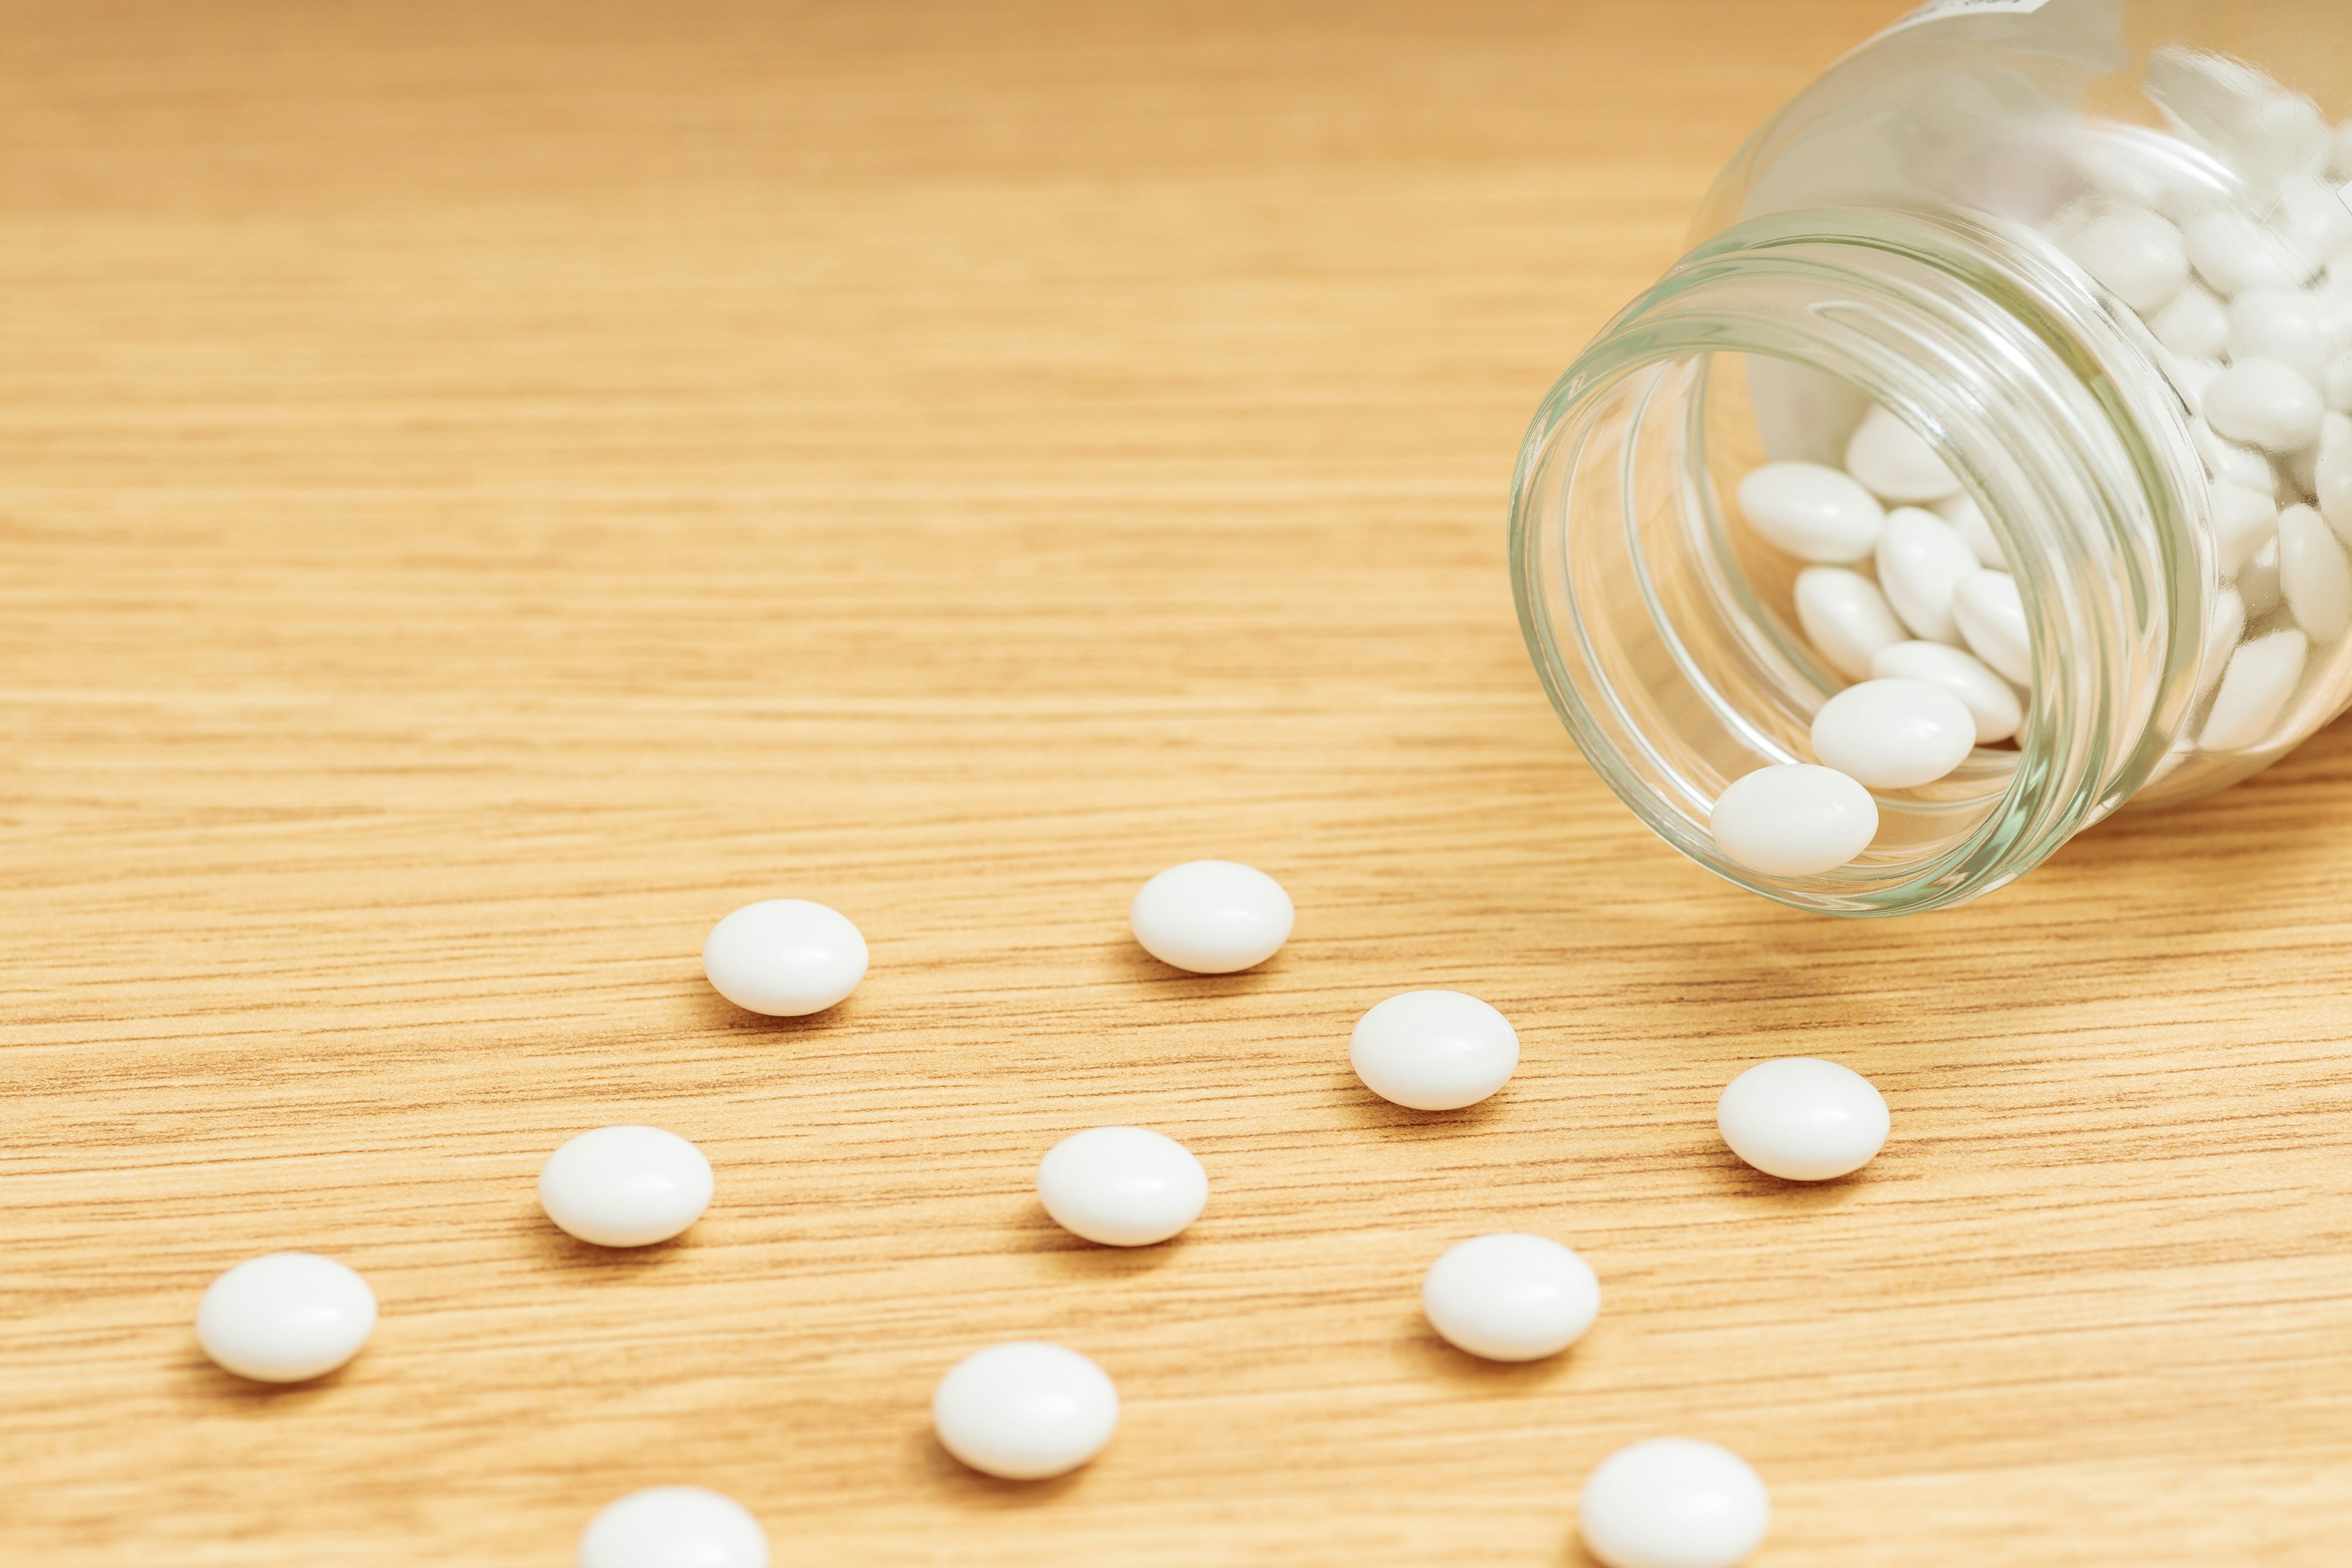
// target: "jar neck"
[[1647, 614]]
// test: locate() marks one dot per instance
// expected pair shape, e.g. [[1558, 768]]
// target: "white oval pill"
[[1025, 1410], [2227, 625], [2137, 256], [1968, 521], [2239, 465], [2258, 578], [673, 1527], [2314, 574], [785, 957], [624, 1186], [1802, 1118], [1921, 559], [285, 1317], [1122, 1186], [1212, 917], [2265, 404], [1510, 1296], [2331, 475], [1674, 1502], [1794, 819], [2283, 324], [1845, 618], [1894, 734], [2315, 221], [1811, 510], [2236, 254], [2261, 678], [1991, 618], [2243, 521], [1895, 462], [1433, 1050], [1991, 701], [2196, 325]]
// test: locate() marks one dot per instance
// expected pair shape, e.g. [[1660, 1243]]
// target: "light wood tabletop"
[[486, 489]]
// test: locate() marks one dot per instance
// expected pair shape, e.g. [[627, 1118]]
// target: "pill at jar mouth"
[[1895, 462], [624, 1186], [285, 1317], [1845, 618], [2243, 521], [1025, 1410], [1991, 701], [2196, 325], [1811, 510], [2258, 578], [1921, 560], [2314, 574], [1968, 521], [2239, 465], [2236, 254], [2138, 256], [673, 1527], [784, 958], [1893, 734], [1674, 1502], [1802, 1118], [1992, 617], [2265, 403], [1510, 1296], [1212, 917], [2280, 324], [1433, 1050], [1793, 819], [1122, 1186], [2331, 476], [2261, 678]]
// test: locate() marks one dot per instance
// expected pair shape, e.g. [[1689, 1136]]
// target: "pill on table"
[[1674, 1502], [1025, 1410], [1433, 1050], [2261, 678], [673, 1527], [2265, 404], [1968, 521], [785, 957], [1510, 1296], [1921, 560], [2138, 256], [1894, 734], [1845, 618], [1122, 1186], [2195, 325], [1802, 1118], [2243, 521], [1793, 819], [2314, 574], [2237, 255], [2281, 325], [285, 1317], [1811, 510], [2331, 475], [1992, 617], [1212, 917], [1991, 702], [1895, 462], [624, 1186]]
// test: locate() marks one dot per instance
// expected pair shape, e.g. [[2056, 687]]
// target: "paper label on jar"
[[1938, 10]]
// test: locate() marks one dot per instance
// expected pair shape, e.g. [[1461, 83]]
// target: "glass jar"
[[1977, 222]]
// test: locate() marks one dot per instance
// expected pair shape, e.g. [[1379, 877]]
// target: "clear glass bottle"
[[1922, 229]]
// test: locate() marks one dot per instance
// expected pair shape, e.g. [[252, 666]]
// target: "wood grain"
[[487, 489]]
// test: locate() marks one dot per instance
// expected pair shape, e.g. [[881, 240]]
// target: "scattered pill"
[[1802, 1118], [1212, 917], [1845, 618], [785, 957], [2261, 677], [1921, 559], [624, 1186], [1025, 1410], [1991, 701], [2265, 404], [1968, 521], [2137, 256], [1812, 512], [1433, 1050], [1896, 463], [1793, 819], [1674, 1502], [1991, 618], [2314, 574], [1122, 1186], [285, 1317], [1510, 1296], [2196, 325], [1894, 734], [673, 1527]]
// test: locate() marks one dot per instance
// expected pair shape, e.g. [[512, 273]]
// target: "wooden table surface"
[[486, 489]]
